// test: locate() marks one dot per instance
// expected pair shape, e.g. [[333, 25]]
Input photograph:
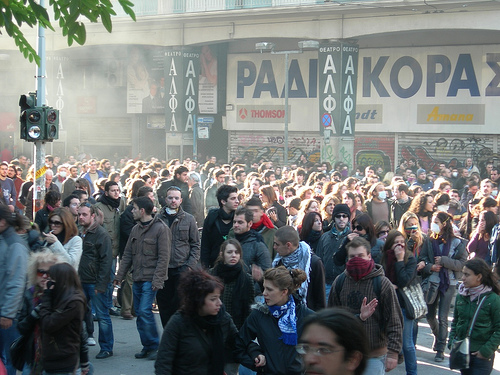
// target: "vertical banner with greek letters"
[[182, 68], [330, 72], [338, 71], [349, 83]]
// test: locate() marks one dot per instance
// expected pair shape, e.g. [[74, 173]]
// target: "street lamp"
[[269, 47]]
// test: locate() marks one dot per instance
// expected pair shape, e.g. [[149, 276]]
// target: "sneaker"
[[104, 354], [91, 341], [439, 357]]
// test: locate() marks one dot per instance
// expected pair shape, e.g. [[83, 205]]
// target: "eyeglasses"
[[320, 351], [341, 216], [358, 227], [42, 273], [56, 223]]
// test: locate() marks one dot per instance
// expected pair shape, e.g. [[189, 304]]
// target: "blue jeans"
[[409, 345], [246, 371], [439, 326], [106, 338], [375, 366], [146, 324], [7, 336], [478, 366]]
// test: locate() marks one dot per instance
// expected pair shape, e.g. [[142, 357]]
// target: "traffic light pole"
[[39, 167]]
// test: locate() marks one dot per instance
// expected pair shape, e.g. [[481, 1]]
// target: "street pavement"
[[127, 343]]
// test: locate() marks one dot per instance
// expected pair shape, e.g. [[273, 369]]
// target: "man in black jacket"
[[179, 180], [218, 223], [399, 204], [94, 273]]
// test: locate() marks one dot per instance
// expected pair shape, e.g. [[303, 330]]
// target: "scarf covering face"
[[473, 292], [358, 267], [301, 259], [286, 321], [264, 221], [442, 251], [390, 268]]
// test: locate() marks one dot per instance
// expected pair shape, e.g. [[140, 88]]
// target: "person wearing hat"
[[293, 208], [331, 241], [422, 180]]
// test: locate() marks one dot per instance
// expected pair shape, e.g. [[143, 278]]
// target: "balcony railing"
[[159, 7]]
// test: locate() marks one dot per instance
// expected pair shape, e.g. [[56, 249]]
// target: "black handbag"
[[18, 350], [460, 354]]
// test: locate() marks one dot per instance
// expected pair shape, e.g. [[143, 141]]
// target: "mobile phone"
[[50, 284]]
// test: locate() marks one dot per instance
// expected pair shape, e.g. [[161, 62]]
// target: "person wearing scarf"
[[261, 223], [199, 338], [445, 255], [52, 201], [400, 267], [478, 283], [275, 324]]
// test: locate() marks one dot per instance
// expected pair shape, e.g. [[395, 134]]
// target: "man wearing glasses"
[[333, 342], [331, 241]]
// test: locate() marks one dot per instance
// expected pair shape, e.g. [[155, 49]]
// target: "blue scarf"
[[301, 259], [286, 321]]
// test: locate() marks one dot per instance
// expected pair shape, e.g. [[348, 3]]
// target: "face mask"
[[62, 174], [318, 190], [435, 228], [383, 236], [455, 174], [382, 195], [443, 207]]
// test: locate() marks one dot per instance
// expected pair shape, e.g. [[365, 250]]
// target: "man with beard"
[[217, 224], [179, 180], [8, 192], [185, 251], [255, 252], [105, 167], [111, 205]]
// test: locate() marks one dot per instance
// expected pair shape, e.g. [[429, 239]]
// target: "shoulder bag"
[[459, 354], [18, 350], [414, 301]]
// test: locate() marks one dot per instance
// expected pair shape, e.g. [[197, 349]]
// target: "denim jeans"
[[7, 336], [479, 366], [246, 371], [439, 326], [409, 345], [106, 338], [146, 324], [375, 366]]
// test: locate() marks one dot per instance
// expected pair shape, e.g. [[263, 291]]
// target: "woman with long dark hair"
[[444, 256], [63, 238], [275, 324], [61, 316], [311, 229], [400, 267], [195, 337], [478, 283], [362, 226], [275, 211], [238, 292], [423, 206], [478, 245]]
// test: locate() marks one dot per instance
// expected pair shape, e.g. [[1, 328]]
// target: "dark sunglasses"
[[341, 216], [41, 273], [56, 223], [358, 227]]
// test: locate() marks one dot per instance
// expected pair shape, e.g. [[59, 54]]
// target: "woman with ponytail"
[[276, 325], [444, 256]]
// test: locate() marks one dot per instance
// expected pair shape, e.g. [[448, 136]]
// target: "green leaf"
[[106, 21]]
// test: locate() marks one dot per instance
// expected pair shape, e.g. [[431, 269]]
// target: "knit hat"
[[341, 209], [420, 171]]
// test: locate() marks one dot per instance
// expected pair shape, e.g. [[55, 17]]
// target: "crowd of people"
[[252, 257]]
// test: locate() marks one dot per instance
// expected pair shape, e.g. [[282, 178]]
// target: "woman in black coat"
[[194, 337]]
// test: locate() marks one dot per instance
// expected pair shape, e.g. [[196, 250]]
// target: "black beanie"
[[341, 209]]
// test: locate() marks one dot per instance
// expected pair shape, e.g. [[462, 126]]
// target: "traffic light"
[[38, 123], [32, 118], [51, 123]]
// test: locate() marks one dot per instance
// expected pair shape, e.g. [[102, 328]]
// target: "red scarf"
[[264, 220], [358, 267], [390, 266]]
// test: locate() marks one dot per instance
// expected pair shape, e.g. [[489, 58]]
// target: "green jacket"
[[485, 336]]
